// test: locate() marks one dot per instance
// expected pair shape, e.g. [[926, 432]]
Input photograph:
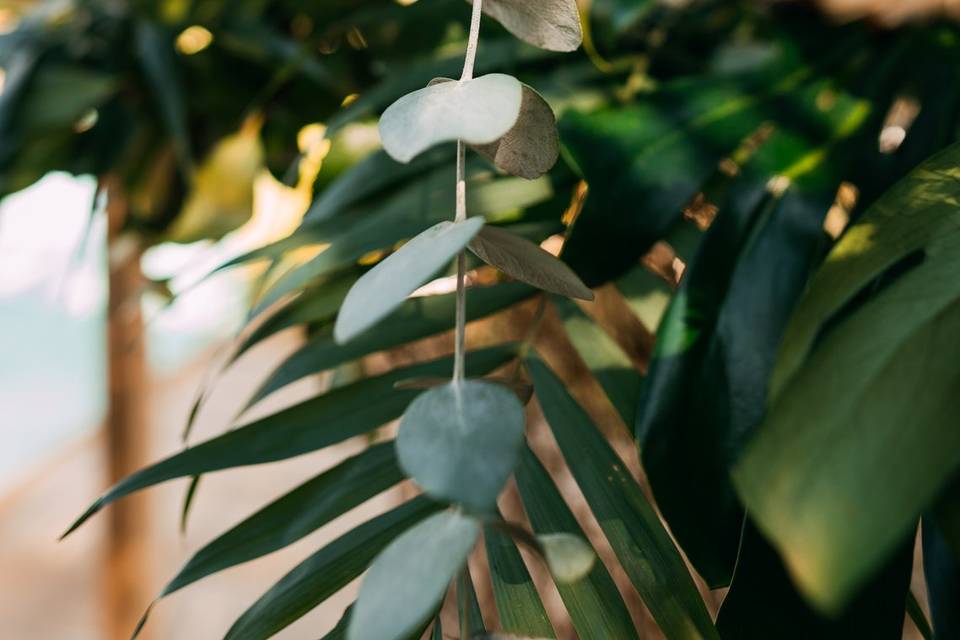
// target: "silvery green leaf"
[[548, 24], [568, 556], [478, 111], [407, 582], [532, 146], [387, 285], [525, 261], [460, 442]]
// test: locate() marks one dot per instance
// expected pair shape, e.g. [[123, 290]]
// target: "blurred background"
[[104, 351]]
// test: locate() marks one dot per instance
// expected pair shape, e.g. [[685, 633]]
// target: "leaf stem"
[[471, 56], [461, 215]]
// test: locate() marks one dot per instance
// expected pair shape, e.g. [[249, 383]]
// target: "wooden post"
[[127, 575]]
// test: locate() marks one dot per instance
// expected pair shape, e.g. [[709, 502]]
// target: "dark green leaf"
[[343, 413], [594, 604], [631, 525], [468, 607], [764, 603], [721, 333], [325, 572], [518, 603], [156, 54], [296, 514], [314, 305], [942, 572], [644, 163], [606, 360], [416, 318], [918, 617], [422, 203], [844, 388], [365, 179]]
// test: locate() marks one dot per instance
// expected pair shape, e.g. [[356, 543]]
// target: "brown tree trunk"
[[127, 574]]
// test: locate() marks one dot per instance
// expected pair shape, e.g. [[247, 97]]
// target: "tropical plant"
[[795, 417]]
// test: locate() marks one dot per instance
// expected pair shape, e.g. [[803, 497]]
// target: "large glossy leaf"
[[298, 513], [549, 24], [631, 525], [386, 286], [611, 367], [314, 424], [518, 603], [325, 572], [409, 579], [416, 318], [594, 604], [460, 441], [477, 111], [844, 388], [722, 330], [763, 603], [521, 259], [644, 162]]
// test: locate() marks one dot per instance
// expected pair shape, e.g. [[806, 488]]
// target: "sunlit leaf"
[[850, 375], [222, 196], [531, 147], [477, 111]]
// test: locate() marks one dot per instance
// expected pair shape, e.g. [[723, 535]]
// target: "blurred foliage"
[[763, 112]]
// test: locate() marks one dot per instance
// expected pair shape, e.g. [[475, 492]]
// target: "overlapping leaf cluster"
[[834, 449]]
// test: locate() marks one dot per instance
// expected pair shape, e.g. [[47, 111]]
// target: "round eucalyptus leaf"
[[478, 111], [532, 146], [460, 442], [387, 285], [408, 580], [548, 24], [521, 259], [569, 557]]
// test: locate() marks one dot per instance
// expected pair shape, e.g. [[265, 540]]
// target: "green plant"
[[789, 477]]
